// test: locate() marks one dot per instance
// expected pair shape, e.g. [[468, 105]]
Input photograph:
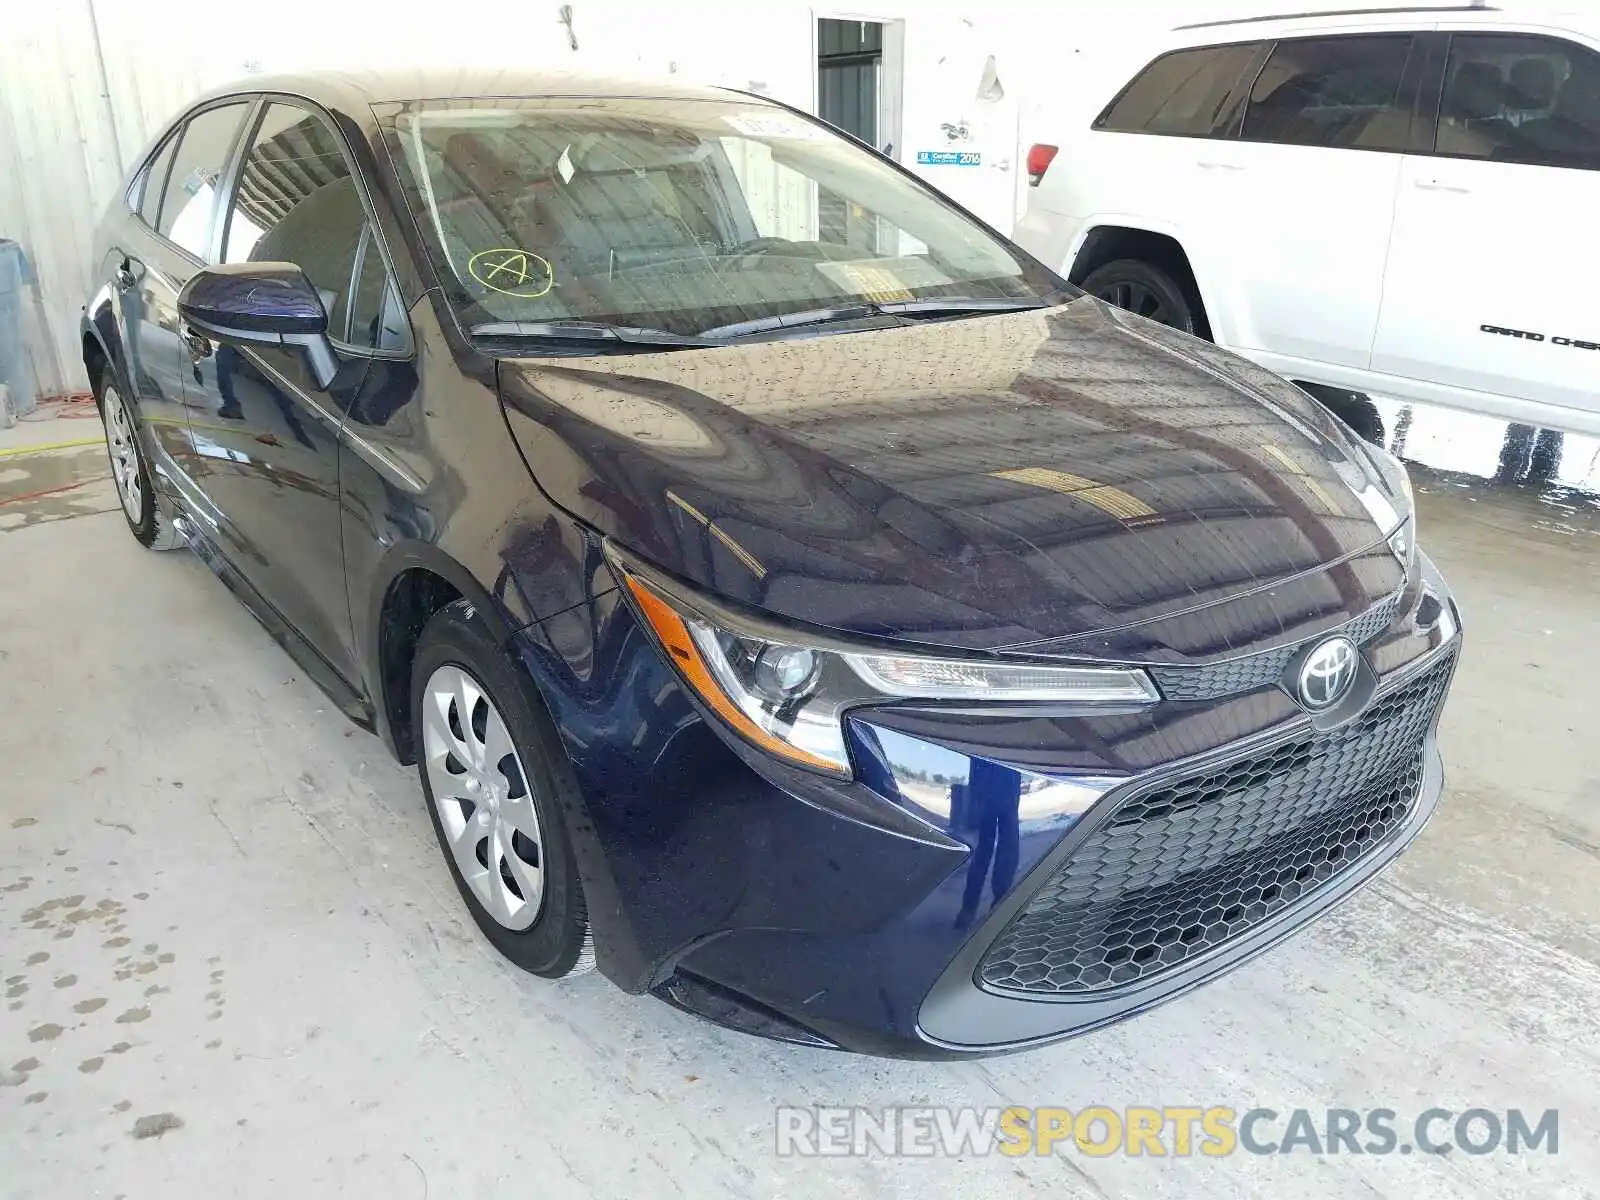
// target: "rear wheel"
[[497, 782], [152, 527], [1146, 289]]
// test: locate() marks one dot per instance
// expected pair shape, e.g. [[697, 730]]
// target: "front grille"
[[1177, 870], [1258, 670]]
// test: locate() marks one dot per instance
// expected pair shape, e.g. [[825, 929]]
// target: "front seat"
[[1474, 114], [610, 216], [1533, 85], [1570, 135], [320, 235]]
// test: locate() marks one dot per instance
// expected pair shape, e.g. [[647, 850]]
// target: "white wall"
[[67, 132]]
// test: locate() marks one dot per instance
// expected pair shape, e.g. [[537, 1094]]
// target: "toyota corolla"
[[797, 601]]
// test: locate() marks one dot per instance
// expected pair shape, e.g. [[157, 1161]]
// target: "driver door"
[[266, 437]]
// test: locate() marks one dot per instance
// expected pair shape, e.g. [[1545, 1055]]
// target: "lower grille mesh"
[[1179, 870]]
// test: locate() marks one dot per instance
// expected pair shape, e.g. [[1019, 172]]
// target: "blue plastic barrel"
[[16, 369]]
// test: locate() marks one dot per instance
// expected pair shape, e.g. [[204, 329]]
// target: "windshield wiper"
[[943, 305], [795, 320], [585, 331]]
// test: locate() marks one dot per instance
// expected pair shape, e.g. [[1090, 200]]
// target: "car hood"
[[1073, 480]]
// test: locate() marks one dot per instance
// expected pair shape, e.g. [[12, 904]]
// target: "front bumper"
[[859, 915], [971, 1008]]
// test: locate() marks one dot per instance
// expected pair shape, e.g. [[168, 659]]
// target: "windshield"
[[688, 217]]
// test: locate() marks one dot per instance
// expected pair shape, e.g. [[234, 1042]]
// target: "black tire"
[[151, 527], [1148, 290], [559, 942]]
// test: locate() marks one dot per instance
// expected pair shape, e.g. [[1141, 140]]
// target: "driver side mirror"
[[261, 304]]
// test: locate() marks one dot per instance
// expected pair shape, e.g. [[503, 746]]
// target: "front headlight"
[[787, 693]]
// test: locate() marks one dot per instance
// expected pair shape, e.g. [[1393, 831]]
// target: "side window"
[[190, 195], [1185, 93], [1521, 99], [154, 181], [1337, 91], [297, 202]]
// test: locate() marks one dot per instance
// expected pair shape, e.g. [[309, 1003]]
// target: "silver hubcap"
[[481, 793], [124, 455]]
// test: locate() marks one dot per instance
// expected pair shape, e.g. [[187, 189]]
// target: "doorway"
[[850, 76], [858, 90]]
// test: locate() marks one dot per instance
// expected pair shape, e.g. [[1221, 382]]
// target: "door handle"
[[199, 345], [1434, 185], [126, 276]]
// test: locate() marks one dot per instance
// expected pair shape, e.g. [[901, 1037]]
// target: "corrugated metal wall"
[[67, 133]]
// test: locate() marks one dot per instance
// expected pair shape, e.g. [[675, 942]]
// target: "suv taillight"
[[1040, 156]]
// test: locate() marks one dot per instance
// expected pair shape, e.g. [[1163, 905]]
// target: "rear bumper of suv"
[[904, 913]]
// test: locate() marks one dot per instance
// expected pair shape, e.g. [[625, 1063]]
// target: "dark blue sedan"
[[797, 600]]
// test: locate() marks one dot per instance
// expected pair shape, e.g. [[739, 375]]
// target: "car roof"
[[353, 91], [1290, 21]]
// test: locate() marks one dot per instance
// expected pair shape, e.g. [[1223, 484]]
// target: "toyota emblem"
[[1327, 673]]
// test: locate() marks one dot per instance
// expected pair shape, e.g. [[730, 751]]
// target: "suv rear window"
[[1335, 91], [1183, 94]]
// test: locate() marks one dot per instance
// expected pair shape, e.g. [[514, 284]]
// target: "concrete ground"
[[234, 963]]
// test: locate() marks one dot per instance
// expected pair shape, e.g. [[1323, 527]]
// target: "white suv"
[[1403, 204]]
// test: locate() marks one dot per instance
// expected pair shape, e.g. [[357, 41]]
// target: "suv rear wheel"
[[1147, 290]]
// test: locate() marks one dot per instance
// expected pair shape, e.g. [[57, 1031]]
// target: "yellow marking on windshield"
[[1112, 500], [512, 272]]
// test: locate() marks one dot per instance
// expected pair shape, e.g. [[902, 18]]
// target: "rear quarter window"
[[153, 180], [1187, 93]]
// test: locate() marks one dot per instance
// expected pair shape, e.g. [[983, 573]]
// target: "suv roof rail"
[[1477, 6]]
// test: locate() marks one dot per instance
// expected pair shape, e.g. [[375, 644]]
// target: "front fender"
[[372, 630]]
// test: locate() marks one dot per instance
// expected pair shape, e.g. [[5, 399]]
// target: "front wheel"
[[497, 780], [1146, 289], [149, 524]]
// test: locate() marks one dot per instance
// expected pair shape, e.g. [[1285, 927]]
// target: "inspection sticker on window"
[[772, 125], [874, 281], [949, 158]]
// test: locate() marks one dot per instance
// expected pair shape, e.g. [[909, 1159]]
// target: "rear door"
[[268, 436], [154, 259], [1302, 204], [1489, 297]]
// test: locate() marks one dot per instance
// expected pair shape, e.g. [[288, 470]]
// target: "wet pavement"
[[311, 1011], [53, 468]]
